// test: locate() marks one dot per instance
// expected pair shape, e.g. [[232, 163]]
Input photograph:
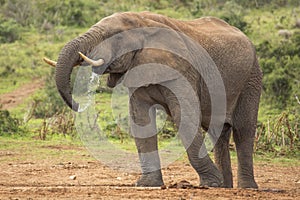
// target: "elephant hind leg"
[[244, 126], [204, 166], [222, 156], [193, 142]]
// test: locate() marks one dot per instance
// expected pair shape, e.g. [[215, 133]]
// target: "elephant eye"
[[107, 70]]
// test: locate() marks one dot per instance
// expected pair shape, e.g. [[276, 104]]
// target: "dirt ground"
[[24, 174], [16, 97]]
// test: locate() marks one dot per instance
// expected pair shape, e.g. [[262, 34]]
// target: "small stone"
[[73, 177], [285, 33], [204, 187], [119, 178]]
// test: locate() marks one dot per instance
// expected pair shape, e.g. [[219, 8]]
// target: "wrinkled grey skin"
[[233, 54]]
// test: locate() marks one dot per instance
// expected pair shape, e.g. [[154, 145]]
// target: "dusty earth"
[[16, 97], [52, 172]]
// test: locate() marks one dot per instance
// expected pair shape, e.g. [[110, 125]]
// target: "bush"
[[234, 14], [280, 64], [62, 123], [9, 125], [281, 89], [22, 11], [10, 31], [279, 134], [273, 3], [35, 13], [68, 13]]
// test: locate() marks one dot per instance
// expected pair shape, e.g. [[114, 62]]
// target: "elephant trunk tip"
[[75, 106], [69, 101]]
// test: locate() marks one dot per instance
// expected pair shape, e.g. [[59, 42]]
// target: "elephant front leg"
[[150, 162], [184, 114], [143, 129]]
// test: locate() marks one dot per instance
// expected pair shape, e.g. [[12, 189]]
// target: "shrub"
[[62, 123], [10, 31], [279, 134], [67, 13], [22, 11], [280, 64], [9, 125], [234, 14]]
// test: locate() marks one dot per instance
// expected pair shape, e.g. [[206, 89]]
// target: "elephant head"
[[74, 53]]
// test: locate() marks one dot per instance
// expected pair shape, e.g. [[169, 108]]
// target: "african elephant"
[[235, 60]]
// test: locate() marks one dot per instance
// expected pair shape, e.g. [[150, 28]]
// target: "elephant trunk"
[[67, 59], [70, 57]]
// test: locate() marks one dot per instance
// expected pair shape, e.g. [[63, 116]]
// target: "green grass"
[[59, 148], [287, 161], [56, 148]]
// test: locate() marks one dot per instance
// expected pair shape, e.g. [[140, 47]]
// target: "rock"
[[163, 187], [181, 185], [47, 26], [285, 33], [73, 177]]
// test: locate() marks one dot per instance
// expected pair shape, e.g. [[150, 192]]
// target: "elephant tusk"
[[50, 62], [94, 63]]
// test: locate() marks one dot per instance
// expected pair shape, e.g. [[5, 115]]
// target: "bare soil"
[[16, 97], [56, 174]]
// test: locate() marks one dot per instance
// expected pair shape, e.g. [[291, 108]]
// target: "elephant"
[[230, 51]]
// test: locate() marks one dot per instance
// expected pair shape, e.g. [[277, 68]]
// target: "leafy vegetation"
[[30, 30], [9, 125], [9, 31]]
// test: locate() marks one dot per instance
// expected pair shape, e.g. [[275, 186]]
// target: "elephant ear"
[[149, 74]]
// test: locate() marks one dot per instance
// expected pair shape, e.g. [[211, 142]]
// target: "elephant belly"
[[158, 94]]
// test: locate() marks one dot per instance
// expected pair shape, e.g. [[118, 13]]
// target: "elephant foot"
[[247, 184], [212, 179], [211, 183], [228, 182], [227, 185], [152, 179]]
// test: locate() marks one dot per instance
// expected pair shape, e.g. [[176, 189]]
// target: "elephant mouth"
[[101, 70]]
